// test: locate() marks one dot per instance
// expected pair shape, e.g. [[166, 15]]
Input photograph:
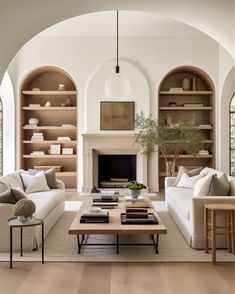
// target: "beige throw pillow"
[[188, 182], [36, 183], [202, 186], [50, 177], [219, 186]]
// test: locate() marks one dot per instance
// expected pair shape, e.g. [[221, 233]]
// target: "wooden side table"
[[15, 223], [211, 227]]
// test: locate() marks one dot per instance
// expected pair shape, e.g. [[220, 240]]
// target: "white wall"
[[83, 57]]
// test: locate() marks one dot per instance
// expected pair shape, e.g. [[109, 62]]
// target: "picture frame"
[[117, 115], [67, 151], [55, 149]]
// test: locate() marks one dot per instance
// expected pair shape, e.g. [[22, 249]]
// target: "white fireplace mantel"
[[94, 144]]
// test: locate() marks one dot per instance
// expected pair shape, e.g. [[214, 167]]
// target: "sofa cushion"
[[16, 176], [202, 186], [50, 177], [219, 186], [181, 198], [188, 182], [11, 196], [43, 208], [56, 196], [35, 183], [181, 171]]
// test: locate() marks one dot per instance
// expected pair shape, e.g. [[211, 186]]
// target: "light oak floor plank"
[[115, 278]]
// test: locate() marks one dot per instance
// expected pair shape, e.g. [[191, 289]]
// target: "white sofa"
[[49, 208], [188, 211]]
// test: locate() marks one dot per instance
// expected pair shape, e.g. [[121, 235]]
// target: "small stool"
[[229, 209]]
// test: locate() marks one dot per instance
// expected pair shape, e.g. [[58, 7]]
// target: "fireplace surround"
[[110, 144]]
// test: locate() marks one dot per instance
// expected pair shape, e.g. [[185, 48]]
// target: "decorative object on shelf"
[[172, 104], [94, 189], [61, 87], [24, 209], [117, 115], [55, 149], [203, 152], [37, 153], [48, 104], [193, 104], [34, 121], [34, 105], [35, 89], [135, 188], [63, 139], [37, 137], [68, 102], [117, 86], [186, 84], [63, 104], [194, 84], [153, 134], [67, 125], [176, 90], [67, 151]]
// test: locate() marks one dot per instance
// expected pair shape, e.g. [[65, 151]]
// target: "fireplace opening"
[[114, 171]]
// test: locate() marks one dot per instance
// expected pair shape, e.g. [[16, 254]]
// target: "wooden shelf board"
[[189, 156], [56, 156], [49, 108], [49, 128], [67, 174], [185, 108], [186, 93], [49, 142], [48, 93]]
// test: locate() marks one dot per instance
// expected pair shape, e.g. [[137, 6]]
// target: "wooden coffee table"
[[114, 227]]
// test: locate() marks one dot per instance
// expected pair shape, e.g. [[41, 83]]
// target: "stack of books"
[[105, 201], [136, 212], [37, 137], [95, 216], [37, 153], [203, 152]]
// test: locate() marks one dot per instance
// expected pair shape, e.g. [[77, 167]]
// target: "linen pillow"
[[50, 177], [188, 182], [10, 196], [194, 172], [181, 170], [36, 183], [18, 193], [202, 186], [219, 186]]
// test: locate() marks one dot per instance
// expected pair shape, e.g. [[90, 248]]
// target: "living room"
[[77, 53]]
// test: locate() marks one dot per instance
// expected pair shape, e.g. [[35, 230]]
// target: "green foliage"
[[154, 135], [133, 185]]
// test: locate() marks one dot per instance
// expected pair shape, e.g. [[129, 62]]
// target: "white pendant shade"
[[117, 86]]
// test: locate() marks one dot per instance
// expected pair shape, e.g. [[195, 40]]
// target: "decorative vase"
[[33, 121], [68, 102], [186, 84], [134, 193], [170, 168], [61, 87]]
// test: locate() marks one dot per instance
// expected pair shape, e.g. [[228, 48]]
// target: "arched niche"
[[59, 120], [197, 100]]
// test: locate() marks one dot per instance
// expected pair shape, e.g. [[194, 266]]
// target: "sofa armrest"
[[60, 184], [169, 181], [197, 215]]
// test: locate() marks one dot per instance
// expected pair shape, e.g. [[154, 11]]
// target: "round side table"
[[15, 223], [211, 227]]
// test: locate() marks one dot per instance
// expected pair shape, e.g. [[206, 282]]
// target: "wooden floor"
[[116, 278]]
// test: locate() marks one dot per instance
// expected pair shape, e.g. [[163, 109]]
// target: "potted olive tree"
[[155, 135], [135, 188]]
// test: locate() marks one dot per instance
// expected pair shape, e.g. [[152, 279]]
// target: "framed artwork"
[[115, 115]]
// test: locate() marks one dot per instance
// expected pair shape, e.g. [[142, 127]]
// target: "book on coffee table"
[[150, 220]]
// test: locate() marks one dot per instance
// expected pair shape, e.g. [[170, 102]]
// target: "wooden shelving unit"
[[50, 124], [204, 114]]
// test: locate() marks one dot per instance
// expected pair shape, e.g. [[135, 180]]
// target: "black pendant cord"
[[117, 66]]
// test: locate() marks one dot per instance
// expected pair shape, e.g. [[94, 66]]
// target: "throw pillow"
[[188, 182], [181, 170], [219, 186], [35, 183], [11, 196], [50, 177], [18, 193], [202, 186], [194, 172]]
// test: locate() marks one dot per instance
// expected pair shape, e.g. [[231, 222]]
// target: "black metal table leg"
[[79, 244], [42, 242], [156, 243], [10, 247], [117, 247], [83, 237], [21, 241]]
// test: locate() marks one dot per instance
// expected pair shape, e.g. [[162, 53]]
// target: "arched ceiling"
[[21, 20]]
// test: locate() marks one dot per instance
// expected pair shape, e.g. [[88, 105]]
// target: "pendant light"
[[117, 86]]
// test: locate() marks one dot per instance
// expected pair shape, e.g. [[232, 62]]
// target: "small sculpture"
[[61, 87], [24, 209], [33, 121], [48, 104], [94, 190], [68, 102]]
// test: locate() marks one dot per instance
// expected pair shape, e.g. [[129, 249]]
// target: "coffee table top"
[[114, 226]]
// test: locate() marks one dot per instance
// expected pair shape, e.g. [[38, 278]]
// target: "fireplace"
[[96, 145], [115, 170]]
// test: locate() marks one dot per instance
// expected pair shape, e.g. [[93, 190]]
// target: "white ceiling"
[[130, 23]]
